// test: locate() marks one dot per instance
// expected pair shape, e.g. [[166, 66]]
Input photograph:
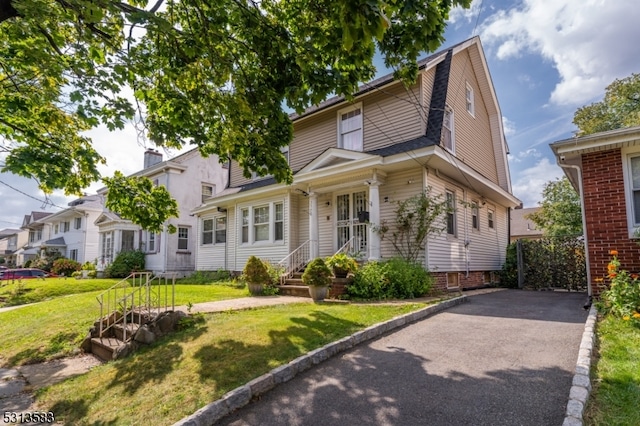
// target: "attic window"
[[207, 191], [470, 100]]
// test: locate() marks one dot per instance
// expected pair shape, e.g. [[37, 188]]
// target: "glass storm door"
[[351, 222]]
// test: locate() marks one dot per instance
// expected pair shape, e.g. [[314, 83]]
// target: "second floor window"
[[208, 191], [350, 129], [65, 226], [77, 223], [470, 100], [490, 219], [475, 222]]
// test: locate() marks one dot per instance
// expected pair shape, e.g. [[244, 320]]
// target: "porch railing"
[[347, 247], [134, 300], [295, 261]]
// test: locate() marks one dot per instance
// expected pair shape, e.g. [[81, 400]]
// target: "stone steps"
[[105, 347]]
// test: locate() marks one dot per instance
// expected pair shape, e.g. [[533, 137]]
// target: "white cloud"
[[508, 126], [589, 42], [460, 16], [530, 183]]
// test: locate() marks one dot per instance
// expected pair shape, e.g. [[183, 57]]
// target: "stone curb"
[[241, 396], [581, 385]]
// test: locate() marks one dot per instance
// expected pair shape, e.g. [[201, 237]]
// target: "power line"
[[45, 202]]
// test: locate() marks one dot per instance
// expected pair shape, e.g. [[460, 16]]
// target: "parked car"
[[23, 273]]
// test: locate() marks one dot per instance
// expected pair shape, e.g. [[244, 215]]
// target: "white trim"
[[627, 155], [359, 121], [470, 100]]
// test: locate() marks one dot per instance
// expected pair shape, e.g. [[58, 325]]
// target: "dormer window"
[[208, 191], [350, 128], [448, 140]]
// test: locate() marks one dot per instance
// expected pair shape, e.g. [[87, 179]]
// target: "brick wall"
[[605, 214]]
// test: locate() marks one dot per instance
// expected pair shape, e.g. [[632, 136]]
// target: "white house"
[[190, 179]]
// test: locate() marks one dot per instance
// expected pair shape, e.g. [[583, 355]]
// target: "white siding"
[[211, 257]]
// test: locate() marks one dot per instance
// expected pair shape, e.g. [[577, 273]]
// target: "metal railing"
[[294, 261], [346, 247], [135, 300]]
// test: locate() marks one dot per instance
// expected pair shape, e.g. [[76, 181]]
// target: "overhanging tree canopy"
[[217, 74]]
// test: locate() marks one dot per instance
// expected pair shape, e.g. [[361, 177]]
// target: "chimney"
[[151, 158]]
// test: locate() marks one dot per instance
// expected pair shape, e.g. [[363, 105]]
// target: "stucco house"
[[72, 231], [605, 170], [352, 161], [190, 179]]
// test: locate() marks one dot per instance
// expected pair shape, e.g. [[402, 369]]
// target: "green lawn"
[[616, 375], [182, 372], [55, 328], [20, 292]]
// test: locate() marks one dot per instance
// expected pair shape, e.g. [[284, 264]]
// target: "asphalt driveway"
[[502, 358]]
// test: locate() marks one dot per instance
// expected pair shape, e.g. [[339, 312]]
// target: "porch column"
[[374, 219], [314, 250]]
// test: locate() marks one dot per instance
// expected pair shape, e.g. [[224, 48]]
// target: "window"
[[490, 218], [77, 223], [470, 101], [447, 130], [221, 230], [128, 241], [245, 225], [56, 228], [32, 236], [451, 213], [151, 242], [73, 254], [634, 169], [207, 231], [475, 222], [183, 238], [39, 233], [350, 128], [106, 251], [279, 222], [208, 191], [65, 226], [261, 223]]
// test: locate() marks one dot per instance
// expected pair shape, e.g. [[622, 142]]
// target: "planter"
[[340, 273], [318, 292], [255, 289]]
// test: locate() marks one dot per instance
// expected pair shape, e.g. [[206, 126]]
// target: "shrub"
[[27, 264], [125, 263], [274, 271], [46, 262], [65, 267], [255, 271], [622, 297], [509, 272], [393, 279], [88, 266], [317, 273]]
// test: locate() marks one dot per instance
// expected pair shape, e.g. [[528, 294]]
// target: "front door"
[[350, 209]]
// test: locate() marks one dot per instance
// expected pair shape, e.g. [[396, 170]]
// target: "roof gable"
[[333, 157]]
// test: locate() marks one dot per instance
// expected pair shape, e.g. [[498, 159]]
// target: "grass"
[[616, 395], [179, 374], [55, 328], [20, 292]]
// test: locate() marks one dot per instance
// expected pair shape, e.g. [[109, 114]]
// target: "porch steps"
[[294, 287], [104, 347]]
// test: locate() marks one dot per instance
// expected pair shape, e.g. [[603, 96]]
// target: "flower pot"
[[255, 289], [318, 292], [340, 273]]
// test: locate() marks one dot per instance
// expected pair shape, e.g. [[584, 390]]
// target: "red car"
[[23, 273]]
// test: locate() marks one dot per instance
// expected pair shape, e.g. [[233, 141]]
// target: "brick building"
[[605, 170]]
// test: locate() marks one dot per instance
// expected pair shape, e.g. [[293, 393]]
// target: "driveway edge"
[[241, 396], [581, 385]]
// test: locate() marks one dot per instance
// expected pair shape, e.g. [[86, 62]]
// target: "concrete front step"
[[294, 290], [131, 328], [104, 347]]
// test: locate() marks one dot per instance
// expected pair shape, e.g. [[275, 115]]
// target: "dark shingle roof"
[[55, 242]]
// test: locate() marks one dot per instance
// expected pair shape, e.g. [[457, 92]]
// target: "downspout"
[[467, 240], [584, 224]]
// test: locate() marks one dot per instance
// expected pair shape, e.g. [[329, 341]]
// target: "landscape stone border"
[[581, 385], [241, 396]]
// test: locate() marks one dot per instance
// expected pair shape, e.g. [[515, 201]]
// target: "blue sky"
[[546, 59]]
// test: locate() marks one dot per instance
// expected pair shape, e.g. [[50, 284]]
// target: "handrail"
[[346, 247], [295, 261], [135, 306]]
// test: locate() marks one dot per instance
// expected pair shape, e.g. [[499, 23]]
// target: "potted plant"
[[342, 264], [256, 275], [318, 277]]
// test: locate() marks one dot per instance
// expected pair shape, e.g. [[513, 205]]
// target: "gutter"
[[584, 224]]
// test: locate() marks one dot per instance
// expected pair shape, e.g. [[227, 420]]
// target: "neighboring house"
[[605, 170], [72, 231], [190, 179], [10, 242], [36, 232], [352, 161], [523, 227]]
